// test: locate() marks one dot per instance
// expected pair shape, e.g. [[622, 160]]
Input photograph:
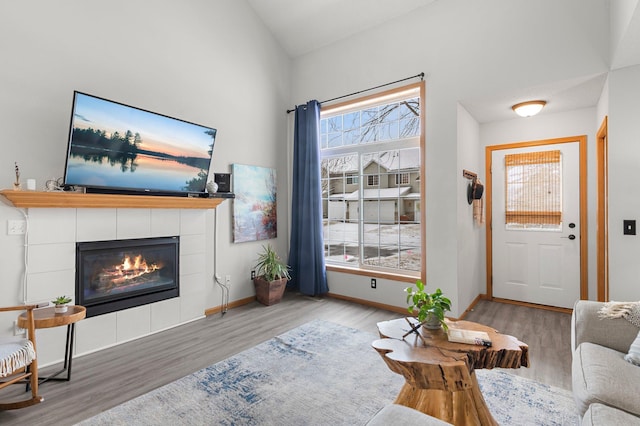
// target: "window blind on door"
[[533, 188]]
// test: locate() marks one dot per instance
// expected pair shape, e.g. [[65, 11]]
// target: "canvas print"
[[254, 208]]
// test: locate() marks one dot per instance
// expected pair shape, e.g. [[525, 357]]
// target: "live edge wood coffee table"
[[440, 375]]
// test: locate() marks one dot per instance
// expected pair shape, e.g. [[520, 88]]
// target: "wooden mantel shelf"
[[58, 199]]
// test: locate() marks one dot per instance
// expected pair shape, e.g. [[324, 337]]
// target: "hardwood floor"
[[107, 378], [547, 333]]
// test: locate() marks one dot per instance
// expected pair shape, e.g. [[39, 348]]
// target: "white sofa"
[[606, 388]]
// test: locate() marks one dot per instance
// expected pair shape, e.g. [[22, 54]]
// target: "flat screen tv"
[[116, 148]]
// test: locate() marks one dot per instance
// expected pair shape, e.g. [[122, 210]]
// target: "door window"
[[533, 190]]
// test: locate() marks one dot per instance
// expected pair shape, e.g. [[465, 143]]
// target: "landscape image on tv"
[[115, 146]]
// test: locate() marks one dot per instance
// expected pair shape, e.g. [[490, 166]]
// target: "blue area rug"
[[320, 373]]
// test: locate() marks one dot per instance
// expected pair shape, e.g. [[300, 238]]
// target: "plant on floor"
[[270, 265], [429, 307], [272, 274]]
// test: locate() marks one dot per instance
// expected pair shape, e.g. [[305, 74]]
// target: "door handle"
[[571, 237]]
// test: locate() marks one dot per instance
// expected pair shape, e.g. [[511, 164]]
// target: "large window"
[[371, 172]]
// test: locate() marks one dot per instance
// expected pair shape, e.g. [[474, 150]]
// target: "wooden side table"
[[47, 318], [440, 375]]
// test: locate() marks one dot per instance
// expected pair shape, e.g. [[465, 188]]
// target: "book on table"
[[471, 337]]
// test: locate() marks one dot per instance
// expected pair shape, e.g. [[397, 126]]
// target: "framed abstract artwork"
[[254, 207]]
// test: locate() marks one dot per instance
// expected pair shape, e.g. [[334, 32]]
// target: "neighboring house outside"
[[391, 191]]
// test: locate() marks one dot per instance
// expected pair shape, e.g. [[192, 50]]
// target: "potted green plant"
[[429, 307], [271, 277], [61, 304]]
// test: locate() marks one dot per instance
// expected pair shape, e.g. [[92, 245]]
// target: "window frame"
[[400, 178], [353, 179], [361, 103]]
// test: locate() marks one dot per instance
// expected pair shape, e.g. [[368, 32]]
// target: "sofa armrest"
[[587, 326]]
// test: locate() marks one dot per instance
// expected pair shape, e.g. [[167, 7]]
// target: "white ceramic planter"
[[60, 309]]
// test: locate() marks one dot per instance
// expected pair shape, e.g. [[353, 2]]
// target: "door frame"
[[582, 170], [602, 229]]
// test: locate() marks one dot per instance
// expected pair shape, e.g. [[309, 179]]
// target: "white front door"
[[538, 263]]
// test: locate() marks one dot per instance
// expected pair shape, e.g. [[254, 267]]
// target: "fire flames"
[[130, 269]]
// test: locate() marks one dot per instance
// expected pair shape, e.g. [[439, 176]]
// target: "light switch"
[[629, 227]]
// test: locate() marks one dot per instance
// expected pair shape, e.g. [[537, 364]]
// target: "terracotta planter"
[[269, 293]]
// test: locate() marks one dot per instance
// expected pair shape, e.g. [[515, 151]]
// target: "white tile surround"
[[52, 235]]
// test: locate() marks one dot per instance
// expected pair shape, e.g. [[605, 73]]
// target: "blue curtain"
[[306, 249]]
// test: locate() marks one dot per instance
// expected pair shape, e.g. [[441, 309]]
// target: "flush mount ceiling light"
[[529, 108]]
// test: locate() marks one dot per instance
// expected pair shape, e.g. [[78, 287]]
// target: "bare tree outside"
[[380, 180]]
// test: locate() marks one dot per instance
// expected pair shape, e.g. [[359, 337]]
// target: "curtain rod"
[[421, 75]]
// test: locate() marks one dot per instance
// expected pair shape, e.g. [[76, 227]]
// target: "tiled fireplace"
[[119, 274], [53, 237]]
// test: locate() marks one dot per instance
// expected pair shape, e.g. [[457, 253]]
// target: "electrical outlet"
[[253, 275], [16, 227], [17, 331], [373, 283], [227, 280]]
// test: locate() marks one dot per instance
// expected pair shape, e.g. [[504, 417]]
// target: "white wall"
[[624, 191], [212, 63], [469, 50], [471, 235]]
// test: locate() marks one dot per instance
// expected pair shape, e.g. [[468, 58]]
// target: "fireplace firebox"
[[120, 274]]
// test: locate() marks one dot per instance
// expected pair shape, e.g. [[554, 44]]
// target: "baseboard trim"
[[401, 310], [473, 304], [369, 303], [531, 305], [234, 304]]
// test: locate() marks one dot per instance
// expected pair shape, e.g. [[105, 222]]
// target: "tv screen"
[[116, 148]]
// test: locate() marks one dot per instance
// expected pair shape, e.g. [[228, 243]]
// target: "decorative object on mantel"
[[16, 184], [212, 187], [223, 181], [271, 278], [430, 308], [61, 304]]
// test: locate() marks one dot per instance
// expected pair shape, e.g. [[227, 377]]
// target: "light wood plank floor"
[[107, 378]]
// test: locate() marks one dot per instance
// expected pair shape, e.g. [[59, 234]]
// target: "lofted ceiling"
[[302, 26]]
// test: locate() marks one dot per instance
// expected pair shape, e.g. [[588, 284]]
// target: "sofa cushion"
[[395, 414], [601, 375], [599, 414], [587, 326]]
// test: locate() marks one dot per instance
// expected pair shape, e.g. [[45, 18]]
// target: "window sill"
[[373, 274]]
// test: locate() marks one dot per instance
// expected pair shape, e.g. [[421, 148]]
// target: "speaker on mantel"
[[223, 180]]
